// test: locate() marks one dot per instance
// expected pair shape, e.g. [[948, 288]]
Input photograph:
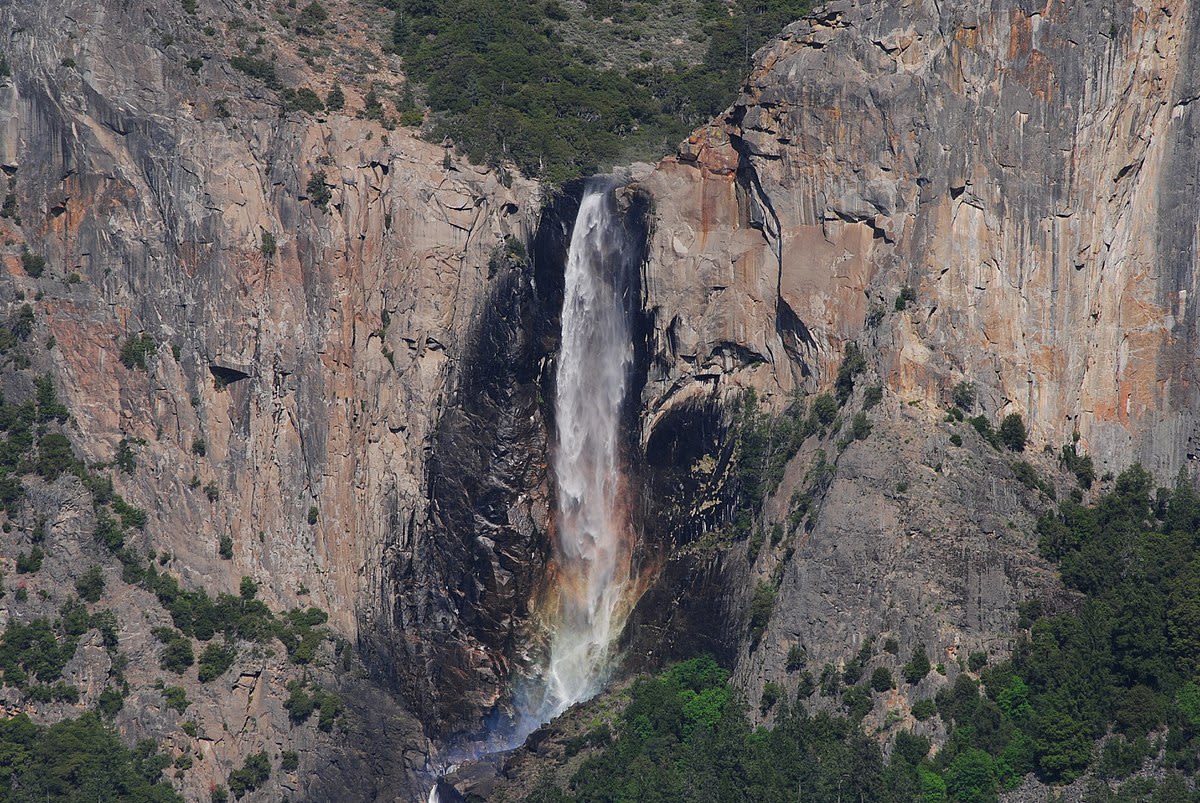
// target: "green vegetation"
[[215, 661], [318, 191], [253, 774], [175, 698], [37, 650], [30, 562], [243, 617], [136, 349], [1079, 465], [336, 99], [90, 585], [177, 653], [504, 86], [918, 666], [77, 761], [685, 736], [1012, 432], [33, 264], [853, 364], [1120, 670], [311, 20], [302, 100], [304, 699], [963, 395], [261, 69], [268, 245]]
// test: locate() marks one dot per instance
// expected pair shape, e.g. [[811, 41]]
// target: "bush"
[[225, 547], [301, 100], [824, 409], [881, 679], [215, 661], [30, 562], [313, 514], [924, 709], [853, 364], [253, 774], [977, 660], [1012, 432], [289, 761], [335, 101], [984, 428], [797, 658], [299, 703], [311, 19], [90, 586], [872, 396], [911, 748], [33, 264], [963, 395], [136, 349], [55, 456], [906, 297], [1079, 465], [319, 193], [860, 427], [257, 68], [175, 698], [761, 605], [268, 245], [918, 666], [177, 653], [771, 694]]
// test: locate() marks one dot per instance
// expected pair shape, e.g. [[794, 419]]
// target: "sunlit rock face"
[[1024, 177]]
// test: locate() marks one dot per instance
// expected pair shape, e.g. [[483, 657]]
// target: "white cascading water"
[[587, 603], [593, 535]]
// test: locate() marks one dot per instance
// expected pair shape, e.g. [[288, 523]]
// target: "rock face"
[[326, 378], [1023, 170], [1021, 176]]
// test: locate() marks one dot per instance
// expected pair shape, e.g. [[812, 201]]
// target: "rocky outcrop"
[[316, 295], [1021, 169], [996, 195]]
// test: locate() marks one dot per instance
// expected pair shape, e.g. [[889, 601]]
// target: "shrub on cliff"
[[255, 772], [1012, 432], [319, 193], [136, 349], [761, 605], [311, 20], [33, 264], [918, 666]]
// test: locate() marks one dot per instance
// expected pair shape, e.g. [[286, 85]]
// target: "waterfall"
[[589, 591], [594, 537]]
